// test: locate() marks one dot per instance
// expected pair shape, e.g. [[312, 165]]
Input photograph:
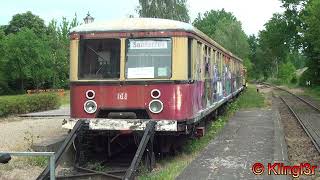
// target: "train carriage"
[[125, 73]]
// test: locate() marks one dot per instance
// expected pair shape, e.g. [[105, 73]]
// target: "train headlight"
[[90, 94], [90, 106], [155, 93], [155, 106]]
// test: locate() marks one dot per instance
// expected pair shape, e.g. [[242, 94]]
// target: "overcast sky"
[[252, 13]]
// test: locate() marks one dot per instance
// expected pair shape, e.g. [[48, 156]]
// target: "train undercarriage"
[[123, 153]]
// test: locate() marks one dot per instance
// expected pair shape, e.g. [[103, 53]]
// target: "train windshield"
[[148, 58], [99, 59]]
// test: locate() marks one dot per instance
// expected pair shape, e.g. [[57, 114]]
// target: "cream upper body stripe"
[[133, 24]]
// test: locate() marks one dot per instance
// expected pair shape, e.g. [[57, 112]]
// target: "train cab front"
[[122, 81]]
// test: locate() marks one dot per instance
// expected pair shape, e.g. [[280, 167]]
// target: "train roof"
[[144, 24]]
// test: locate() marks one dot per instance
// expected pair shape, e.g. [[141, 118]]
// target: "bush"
[[286, 72], [21, 104]]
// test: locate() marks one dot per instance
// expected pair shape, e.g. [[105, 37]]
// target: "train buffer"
[[145, 145]]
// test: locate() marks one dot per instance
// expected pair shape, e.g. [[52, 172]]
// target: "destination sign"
[[148, 44]]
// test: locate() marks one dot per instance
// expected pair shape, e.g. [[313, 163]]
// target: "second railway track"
[[307, 114]]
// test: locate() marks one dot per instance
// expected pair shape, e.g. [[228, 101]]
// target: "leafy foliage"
[[26, 20], [26, 57], [290, 41], [311, 30], [3, 78], [166, 9], [224, 28], [33, 55], [287, 72], [58, 41], [208, 22]]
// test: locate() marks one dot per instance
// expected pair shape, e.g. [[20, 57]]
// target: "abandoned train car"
[[124, 73]]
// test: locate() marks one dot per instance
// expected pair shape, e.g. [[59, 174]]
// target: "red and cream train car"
[[127, 72]]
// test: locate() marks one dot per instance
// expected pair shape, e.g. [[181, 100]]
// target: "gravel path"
[[18, 134]]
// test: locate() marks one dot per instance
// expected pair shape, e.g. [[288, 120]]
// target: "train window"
[[99, 59], [197, 64], [208, 61], [220, 64], [149, 58]]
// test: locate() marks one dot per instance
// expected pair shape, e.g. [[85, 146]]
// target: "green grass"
[[314, 92], [65, 100], [251, 99], [40, 161], [170, 168]]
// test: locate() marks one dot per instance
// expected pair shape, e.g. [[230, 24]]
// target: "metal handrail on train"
[[5, 157]]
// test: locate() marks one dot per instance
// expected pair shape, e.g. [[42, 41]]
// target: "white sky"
[[252, 13]]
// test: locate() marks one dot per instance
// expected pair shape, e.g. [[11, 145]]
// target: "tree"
[[255, 55], [166, 9], [273, 41], [26, 58], [58, 40], [311, 31], [208, 22], [26, 20], [3, 78], [292, 14], [287, 72], [231, 36], [224, 28]]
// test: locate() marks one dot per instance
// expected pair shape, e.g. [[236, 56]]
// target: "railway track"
[[127, 173], [307, 114]]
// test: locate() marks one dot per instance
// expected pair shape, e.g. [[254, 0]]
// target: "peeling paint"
[[124, 124]]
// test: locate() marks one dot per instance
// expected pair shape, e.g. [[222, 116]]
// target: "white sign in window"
[[162, 71], [141, 72], [148, 45]]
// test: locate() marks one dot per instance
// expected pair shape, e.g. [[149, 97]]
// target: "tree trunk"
[[21, 84]]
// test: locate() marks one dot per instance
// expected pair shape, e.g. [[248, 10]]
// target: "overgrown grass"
[[40, 161], [170, 168], [314, 92], [251, 99]]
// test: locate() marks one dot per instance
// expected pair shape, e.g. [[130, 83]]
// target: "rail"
[[305, 101], [303, 125], [313, 139], [145, 145]]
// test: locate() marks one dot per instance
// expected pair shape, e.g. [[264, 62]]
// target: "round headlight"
[[90, 94], [90, 106], [155, 93], [156, 106]]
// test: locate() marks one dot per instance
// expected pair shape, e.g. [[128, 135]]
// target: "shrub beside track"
[[21, 104]]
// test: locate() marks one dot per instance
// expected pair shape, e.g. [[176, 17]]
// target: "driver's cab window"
[[99, 59]]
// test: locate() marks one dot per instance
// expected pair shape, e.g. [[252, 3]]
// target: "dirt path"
[[18, 134]]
